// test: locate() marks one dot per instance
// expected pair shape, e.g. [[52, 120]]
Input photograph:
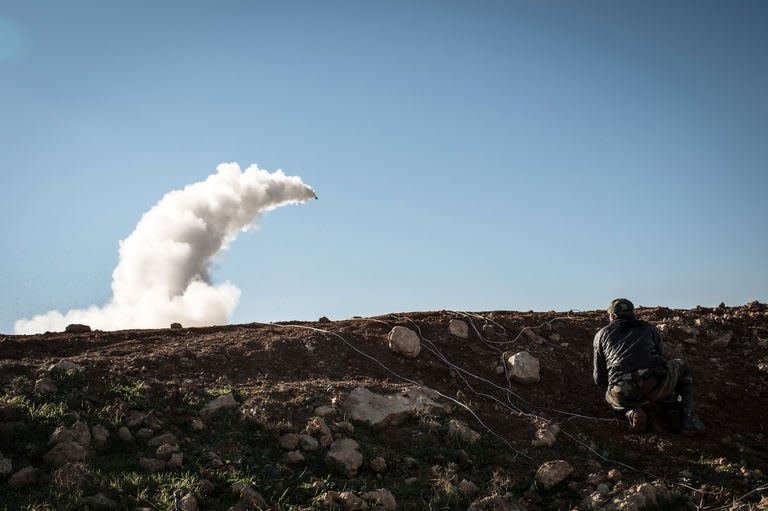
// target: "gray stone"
[[223, 402], [459, 328], [386, 410], [404, 341], [524, 367], [176, 326], [552, 473], [345, 454]]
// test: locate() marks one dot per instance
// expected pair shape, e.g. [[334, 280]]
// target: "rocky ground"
[[439, 410]]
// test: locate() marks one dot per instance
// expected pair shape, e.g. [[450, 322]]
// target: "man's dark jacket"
[[623, 346]]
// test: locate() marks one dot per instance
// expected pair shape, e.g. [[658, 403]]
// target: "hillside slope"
[[175, 451]]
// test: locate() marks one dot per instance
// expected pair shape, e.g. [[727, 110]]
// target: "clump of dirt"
[[229, 395]]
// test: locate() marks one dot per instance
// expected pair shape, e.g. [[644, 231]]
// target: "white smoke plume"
[[162, 276]]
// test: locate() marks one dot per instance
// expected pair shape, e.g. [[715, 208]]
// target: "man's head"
[[621, 308]]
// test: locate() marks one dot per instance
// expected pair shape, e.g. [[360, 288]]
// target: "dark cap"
[[621, 307]]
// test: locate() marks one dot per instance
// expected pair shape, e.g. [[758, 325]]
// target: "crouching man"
[[629, 365]]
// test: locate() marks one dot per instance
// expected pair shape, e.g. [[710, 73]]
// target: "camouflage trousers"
[[662, 383]]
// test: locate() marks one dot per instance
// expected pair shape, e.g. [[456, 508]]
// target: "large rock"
[[404, 341], [220, 403], [345, 454], [524, 367], [384, 410], [459, 328], [552, 473]]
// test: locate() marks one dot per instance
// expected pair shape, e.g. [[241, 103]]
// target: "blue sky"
[[469, 155]]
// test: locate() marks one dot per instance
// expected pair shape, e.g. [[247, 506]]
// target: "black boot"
[[691, 425]]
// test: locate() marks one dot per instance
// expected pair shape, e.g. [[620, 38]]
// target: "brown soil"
[[282, 372]]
